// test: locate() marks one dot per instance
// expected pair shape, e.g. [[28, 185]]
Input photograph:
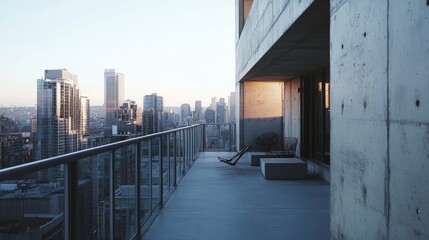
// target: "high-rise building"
[[170, 120], [221, 111], [210, 115], [231, 105], [114, 96], [7, 125], [186, 112], [213, 102], [127, 117], [153, 106], [213, 105], [58, 116], [84, 121], [198, 112]]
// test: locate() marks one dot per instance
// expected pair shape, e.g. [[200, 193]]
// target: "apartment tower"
[[114, 96]]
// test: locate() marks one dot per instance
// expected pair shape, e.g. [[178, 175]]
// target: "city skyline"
[[141, 48]]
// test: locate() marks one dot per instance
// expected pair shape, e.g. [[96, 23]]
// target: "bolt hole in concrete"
[[418, 103], [342, 46], [364, 34], [427, 3], [418, 211]]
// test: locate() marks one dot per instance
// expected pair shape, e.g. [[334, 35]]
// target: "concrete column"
[[380, 119]]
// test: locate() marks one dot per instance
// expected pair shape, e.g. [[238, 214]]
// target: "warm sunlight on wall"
[[263, 99]]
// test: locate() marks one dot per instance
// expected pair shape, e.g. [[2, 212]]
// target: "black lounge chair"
[[234, 159], [289, 148]]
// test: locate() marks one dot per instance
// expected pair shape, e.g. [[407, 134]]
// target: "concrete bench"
[[283, 168], [256, 158]]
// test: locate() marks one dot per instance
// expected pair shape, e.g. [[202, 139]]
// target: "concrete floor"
[[218, 201]]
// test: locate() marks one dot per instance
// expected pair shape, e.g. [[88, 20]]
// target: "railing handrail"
[[31, 167]]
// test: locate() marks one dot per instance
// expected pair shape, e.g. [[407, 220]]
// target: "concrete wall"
[[266, 23], [292, 112], [380, 119], [409, 119], [262, 112]]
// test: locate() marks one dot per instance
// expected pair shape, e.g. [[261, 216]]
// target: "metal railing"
[[107, 192]]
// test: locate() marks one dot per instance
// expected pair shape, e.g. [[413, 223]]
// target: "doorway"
[[315, 116]]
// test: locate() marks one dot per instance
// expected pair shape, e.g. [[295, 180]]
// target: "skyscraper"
[[153, 106], [221, 111], [114, 96], [231, 104], [58, 116], [210, 115], [186, 112], [213, 105], [198, 113], [84, 122]]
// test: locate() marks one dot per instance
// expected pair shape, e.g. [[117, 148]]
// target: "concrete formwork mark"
[[360, 109]]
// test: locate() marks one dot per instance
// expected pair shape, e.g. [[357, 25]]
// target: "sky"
[[182, 50]]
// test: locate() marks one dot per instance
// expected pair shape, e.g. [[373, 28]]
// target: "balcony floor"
[[218, 201]]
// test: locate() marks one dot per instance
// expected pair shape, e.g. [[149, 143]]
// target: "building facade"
[[347, 79], [210, 115], [58, 117], [58, 114], [186, 113], [198, 112], [231, 104], [11, 149], [153, 107], [114, 96], [221, 111], [127, 118], [84, 121]]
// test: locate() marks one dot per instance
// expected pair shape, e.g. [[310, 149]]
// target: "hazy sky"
[[182, 50]]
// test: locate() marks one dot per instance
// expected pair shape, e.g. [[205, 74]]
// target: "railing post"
[[186, 147], [150, 175], [112, 195], [204, 137], [161, 175], [169, 160], [70, 201], [192, 144], [183, 151], [175, 158], [137, 183], [230, 137]]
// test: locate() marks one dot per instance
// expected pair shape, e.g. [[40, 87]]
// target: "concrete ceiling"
[[303, 48]]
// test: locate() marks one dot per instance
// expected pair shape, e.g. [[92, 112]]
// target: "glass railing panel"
[[178, 155], [32, 206], [165, 164], [185, 150], [172, 154], [182, 152], [145, 190], [93, 197], [219, 137], [125, 192], [156, 177]]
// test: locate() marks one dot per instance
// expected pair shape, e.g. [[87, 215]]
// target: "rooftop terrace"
[[218, 201]]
